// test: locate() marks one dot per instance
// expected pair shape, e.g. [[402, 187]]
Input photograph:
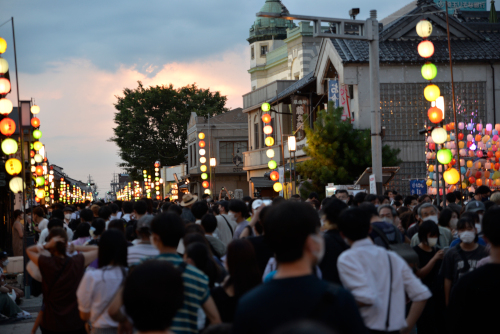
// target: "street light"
[[213, 162], [292, 147], [292, 144]]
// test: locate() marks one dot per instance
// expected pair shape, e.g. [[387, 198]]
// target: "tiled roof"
[[307, 79]]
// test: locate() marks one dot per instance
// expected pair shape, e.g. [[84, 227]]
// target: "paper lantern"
[[16, 184], [35, 109], [272, 164], [268, 129], [265, 107], [460, 136], [157, 165], [479, 154], [444, 156], [4, 86], [429, 71], [40, 193], [472, 179], [461, 144], [435, 115], [203, 168], [5, 107], [439, 135], [464, 185], [432, 146], [40, 181], [269, 141], [463, 170], [425, 49], [37, 145], [431, 92], [470, 126], [35, 122], [451, 176], [461, 125], [9, 146], [39, 170], [428, 182], [203, 160], [202, 151], [13, 166], [204, 176], [479, 182], [277, 187], [489, 127], [479, 127], [424, 28], [431, 168], [205, 184], [274, 176], [201, 135], [4, 66], [270, 153], [38, 158], [201, 143], [37, 134], [497, 127], [3, 45], [487, 174], [7, 127], [266, 118]]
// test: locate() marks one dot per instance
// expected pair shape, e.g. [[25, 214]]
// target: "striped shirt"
[[140, 251], [196, 293]]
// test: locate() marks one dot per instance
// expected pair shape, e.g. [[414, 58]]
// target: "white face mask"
[[67, 216], [432, 241], [345, 201], [433, 218], [5, 263], [232, 215], [467, 236], [478, 227], [321, 241], [453, 223], [388, 220]]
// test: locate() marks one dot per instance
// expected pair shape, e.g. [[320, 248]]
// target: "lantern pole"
[[454, 106]]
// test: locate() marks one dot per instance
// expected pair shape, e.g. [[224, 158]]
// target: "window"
[[256, 136], [263, 50], [252, 52], [229, 149]]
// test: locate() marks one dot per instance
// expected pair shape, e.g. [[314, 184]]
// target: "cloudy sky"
[[74, 57]]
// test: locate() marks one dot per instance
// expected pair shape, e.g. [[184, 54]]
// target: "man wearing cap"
[[143, 248], [187, 202], [482, 193]]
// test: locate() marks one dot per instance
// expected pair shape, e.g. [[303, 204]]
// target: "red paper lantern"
[[435, 115], [460, 136], [432, 146], [39, 170], [205, 184], [497, 166], [472, 179], [478, 175], [275, 176], [202, 143], [7, 127], [490, 154], [35, 122], [453, 162], [266, 118], [32, 154]]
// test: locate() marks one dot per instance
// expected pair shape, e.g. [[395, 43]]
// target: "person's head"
[[491, 226], [292, 232], [98, 226], [82, 231], [104, 212], [466, 228], [128, 207], [67, 212], [143, 228], [86, 215], [238, 209], [331, 211], [54, 222], [397, 205], [112, 249], [425, 199], [371, 210], [451, 197], [354, 224], [428, 233], [175, 209], [58, 214], [167, 229], [407, 219], [359, 198], [390, 194], [373, 199], [313, 195], [410, 202], [477, 207], [146, 306], [95, 210], [188, 200], [114, 209], [388, 213], [4, 259], [209, 223], [17, 214], [241, 262], [140, 208], [482, 193], [224, 207], [164, 207], [199, 209], [278, 199], [495, 198], [60, 248], [38, 214], [342, 195], [427, 211], [448, 218], [199, 255]]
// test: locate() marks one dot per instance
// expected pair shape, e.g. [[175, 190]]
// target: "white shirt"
[[95, 292], [45, 233], [42, 224], [139, 252], [126, 217], [364, 270], [223, 232]]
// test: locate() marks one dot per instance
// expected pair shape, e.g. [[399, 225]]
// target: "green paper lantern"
[[429, 71], [40, 181], [204, 176], [265, 107], [444, 156], [272, 164], [9, 146], [37, 134]]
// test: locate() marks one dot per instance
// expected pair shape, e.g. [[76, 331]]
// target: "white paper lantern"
[[439, 135]]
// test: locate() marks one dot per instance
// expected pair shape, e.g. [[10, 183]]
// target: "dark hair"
[[315, 203], [128, 207], [117, 224], [369, 208], [370, 198], [407, 219], [59, 206], [354, 223], [445, 216], [313, 195], [244, 273], [38, 211], [237, 205], [225, 205], [277, 200], [491, 225], [114, 208], [287, 227], [333, 209], [175, 209], [55, 223], [468, 219], [483, 190], [397, 204], [341, 191], [112, 249], [425, 228], [408, 199], [104, 212], [59, 232], [169, 227], [199, 209], [82, 231], [194, 228], [147, 307], [202, 257], [205, 196], [209, 223], [359, 198], [488, 204], [58, 214], [141, 207], [165, 206], [86, 215], [451, 197], [100, 225], [398, 198], [422, 198], [16, 214]]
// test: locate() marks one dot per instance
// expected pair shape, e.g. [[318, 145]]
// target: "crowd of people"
[[346, 264]]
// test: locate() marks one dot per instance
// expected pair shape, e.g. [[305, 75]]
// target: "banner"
[[477, 5], [300, 114], [418, 187], [333, 92]]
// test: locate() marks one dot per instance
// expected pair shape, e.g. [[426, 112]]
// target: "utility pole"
[[368, 31]]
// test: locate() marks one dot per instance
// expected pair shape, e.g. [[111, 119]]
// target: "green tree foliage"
[[339, 153], [151, 123]]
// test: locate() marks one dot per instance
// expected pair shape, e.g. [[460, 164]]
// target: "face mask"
[[5, 263], [387, 220], [345, 201], [432, 241], [377, 205], [322, 222], [411, 207], [467, 236], [478, 228], [232, 215], [433, 218], [209, 200], [453, 223], [67, 216], [321, 242]]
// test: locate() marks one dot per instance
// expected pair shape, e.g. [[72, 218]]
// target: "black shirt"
[[423, 259], [262, 251], [473, 305], [225, 304], [281, 301], [334, 246], [454, 268]]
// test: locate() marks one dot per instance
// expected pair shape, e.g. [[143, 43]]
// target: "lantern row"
[[269, 141]]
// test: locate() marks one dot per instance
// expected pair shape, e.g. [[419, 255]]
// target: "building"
[[225, 138]]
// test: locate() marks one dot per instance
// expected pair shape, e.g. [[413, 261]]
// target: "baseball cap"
[[3, 255], [475, 206], [145, 222]]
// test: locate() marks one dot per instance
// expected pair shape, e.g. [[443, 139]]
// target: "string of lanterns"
[[269, 141], [203, 160], [157, 180]]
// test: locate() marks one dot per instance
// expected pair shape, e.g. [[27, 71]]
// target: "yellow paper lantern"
[[431, 168], [269, 141], [3, 45], [424, 28], [270, 153], [469, 164], [428, 182], [464, 185], [461, 144], [201, 135], [40, 193], [451, 176], [5, 107], [37, 145], [13, 166], [277, 187], [203, 168], [35, 109], [497, 182], [431, 92]]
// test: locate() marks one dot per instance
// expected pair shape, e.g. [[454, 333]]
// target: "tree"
[[152, 123], [339, 153]]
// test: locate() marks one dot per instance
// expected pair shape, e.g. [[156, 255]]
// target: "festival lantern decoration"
[[451, 176], [205, 184], [35, 122], [272, 164], [274, 176], [277, 187], [265, 107], [431, 92], [439, 135], [203, 160], [16, 185], [268, 129], [435, 115], [429, 71], [204, 176], [39, 170], [13, 166], [35, 109], [4, 86], [38, 158], [266, 118], [424, 28], [201, 135], [40, 181], [3, 45], [270, 153], [425, 49], [37, 134], [201, 143], [9, 146], [40, 193], [5, 107], [4, 66], [37, 145], [202, 151], [269, 141], [7, 127]]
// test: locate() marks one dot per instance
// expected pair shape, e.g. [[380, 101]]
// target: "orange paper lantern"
[[7, 127], [425, 49], [275, 176], [35, 122], [205, 184], [39, 170], [435, 115], [201, 143], [266, 118]]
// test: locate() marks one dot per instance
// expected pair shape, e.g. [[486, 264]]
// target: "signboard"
[[477, 5], [333, 92], [300, 114], [344, 103], [418, 187], [373, 185]]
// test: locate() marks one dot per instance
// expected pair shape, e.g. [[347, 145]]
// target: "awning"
[[388, 174], [261, 182], [306, 80]]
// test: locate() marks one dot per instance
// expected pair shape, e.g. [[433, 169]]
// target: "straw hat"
[[188, 199]]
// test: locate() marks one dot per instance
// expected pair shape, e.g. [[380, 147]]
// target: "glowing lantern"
[[479, 182], [460, 136], [439, 135], [424, 28], [274, 176], [265, 107], [269, 141], [266, 118], [201, 143], [37, 134], [16, 184], [37, 145], [4, 66], [435, 114], [35, 109], [3, 45], [270, 153], [13, 166], [268, 129], [431, 168], [157, 164], [39, 170], [207, 191], [9, 146], [5, 107], [451, 176], [444, 156], [202, 151], [38, 158], [203, 160], [478, 137], [272, 164], [7, 127], [461, 144], [4, 86], [32, 154], [40, 181], [201, 135], [205, 184], [203, 168], [35, 122], [429, 71], [431, 92], [277, 187], [40, 193], [204, 176], [428, 182], [425, 49]]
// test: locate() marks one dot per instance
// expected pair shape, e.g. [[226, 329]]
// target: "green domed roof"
[[265, 28]]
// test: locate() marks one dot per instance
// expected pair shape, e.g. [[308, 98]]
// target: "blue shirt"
[[480, 241]]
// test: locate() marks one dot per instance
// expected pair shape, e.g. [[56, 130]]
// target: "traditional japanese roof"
[[307, 79]]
